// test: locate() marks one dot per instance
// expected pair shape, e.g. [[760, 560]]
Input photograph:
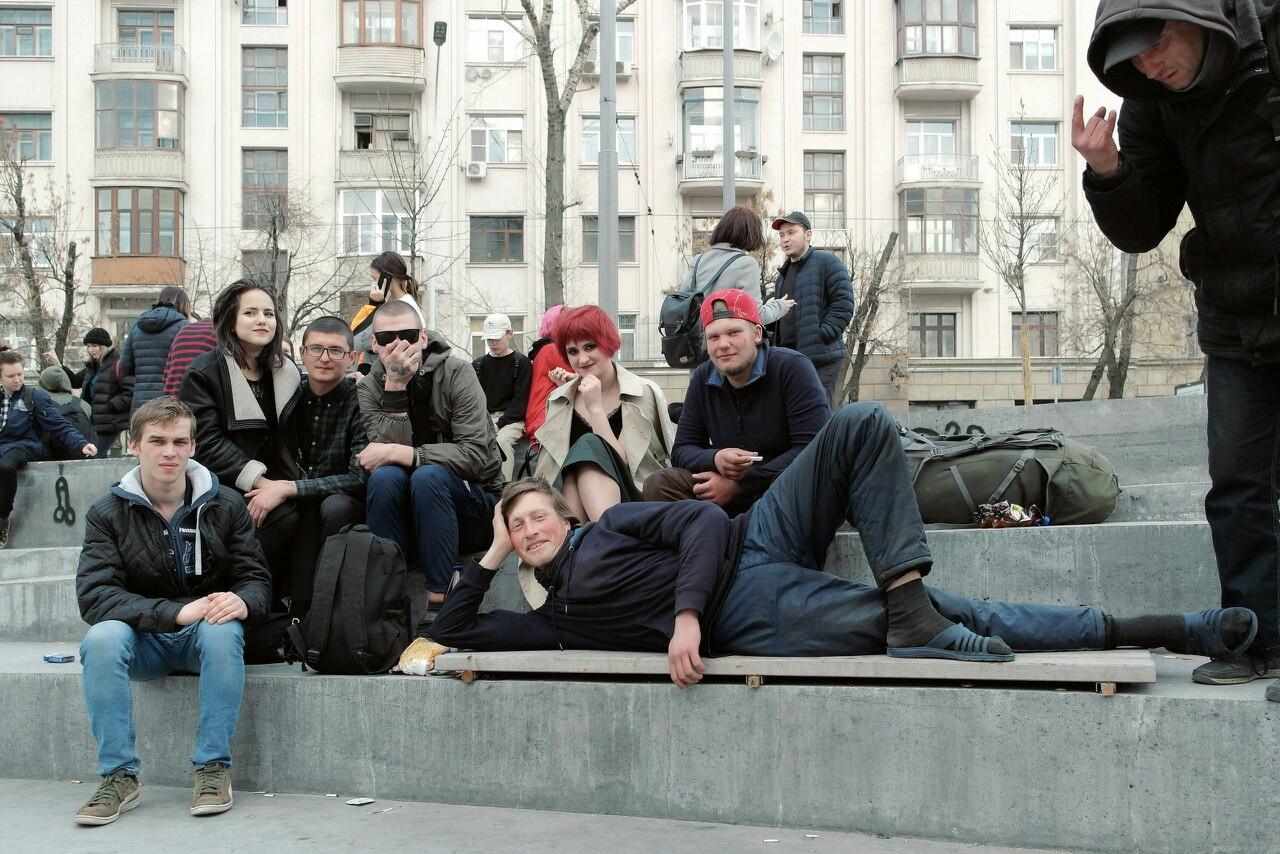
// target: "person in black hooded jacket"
[[1198, 126], [146, 350], [107, 389]]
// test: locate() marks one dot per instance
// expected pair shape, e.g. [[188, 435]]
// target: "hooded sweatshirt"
[[1213, 148], [146, 352]]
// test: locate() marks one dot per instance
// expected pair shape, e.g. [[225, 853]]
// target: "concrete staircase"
[[1167, 767]]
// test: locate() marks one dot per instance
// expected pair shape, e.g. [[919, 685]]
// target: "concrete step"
[[47, 491], [1148, 440], [1126, 567], [1161, 502], [38, 596], [1170, 766]]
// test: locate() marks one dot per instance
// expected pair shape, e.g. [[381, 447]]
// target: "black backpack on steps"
[[359, 617]]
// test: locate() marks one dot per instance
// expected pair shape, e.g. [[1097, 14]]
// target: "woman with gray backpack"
[[726, 263]]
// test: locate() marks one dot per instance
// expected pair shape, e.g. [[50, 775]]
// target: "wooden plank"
[[1121, 665]]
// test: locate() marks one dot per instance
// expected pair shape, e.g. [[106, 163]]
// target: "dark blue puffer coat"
[[146, 351]]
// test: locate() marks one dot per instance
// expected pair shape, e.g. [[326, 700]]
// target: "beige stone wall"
[[985, 383]]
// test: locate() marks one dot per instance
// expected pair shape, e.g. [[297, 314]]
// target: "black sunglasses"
[[386, 337]]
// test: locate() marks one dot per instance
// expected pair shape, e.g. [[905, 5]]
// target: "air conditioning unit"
[[623, 70], [477, 169], [589, 69]]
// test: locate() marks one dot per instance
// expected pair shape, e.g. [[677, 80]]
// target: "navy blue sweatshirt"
[[776, 414], [620, 584]]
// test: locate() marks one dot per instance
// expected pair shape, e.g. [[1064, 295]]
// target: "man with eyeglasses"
[[324, 434], [435, 469]]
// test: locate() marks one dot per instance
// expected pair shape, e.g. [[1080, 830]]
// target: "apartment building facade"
[[192, 142]]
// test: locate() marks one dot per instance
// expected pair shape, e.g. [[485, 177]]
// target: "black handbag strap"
[[706, 289], [320, 617]]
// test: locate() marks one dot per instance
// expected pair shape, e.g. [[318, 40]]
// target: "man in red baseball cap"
[[749, 410]]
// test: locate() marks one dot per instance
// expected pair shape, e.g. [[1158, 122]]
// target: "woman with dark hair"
[[606, 429], [728, 264], [391, 281], [240, 393], [146, 351]]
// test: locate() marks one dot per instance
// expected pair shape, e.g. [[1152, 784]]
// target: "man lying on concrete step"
[[685, 578]]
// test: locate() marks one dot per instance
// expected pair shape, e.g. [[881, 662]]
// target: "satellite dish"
[[773, 47]]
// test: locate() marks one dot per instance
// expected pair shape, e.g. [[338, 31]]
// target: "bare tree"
[[877, 279], [1020, 231], [290, 245], [559, 97], [1119, 301], [40, 264]]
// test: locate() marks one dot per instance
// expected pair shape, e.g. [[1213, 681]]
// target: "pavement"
[[39, 819]]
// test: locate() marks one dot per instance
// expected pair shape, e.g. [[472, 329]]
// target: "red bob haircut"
[[587, 323]]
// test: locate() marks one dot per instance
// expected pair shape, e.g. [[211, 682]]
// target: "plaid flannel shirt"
[[327, 434]]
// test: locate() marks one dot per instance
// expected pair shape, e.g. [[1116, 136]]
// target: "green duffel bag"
[[1072, 483]]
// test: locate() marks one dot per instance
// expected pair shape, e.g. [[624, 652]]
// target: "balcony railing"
[[958, 269], [140, 164], [705, 65], [926, 76], [362, 65], [139, 58], [938, 168], [702, 165], [361, 165]]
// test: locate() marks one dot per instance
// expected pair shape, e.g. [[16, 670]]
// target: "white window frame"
[[710, 36], [480, 41], [371, 215], [395, 130], [264, 13], [625, 43], [1027, 48], [1034, 143], [626, 141], [1042, 239], [496, 139]]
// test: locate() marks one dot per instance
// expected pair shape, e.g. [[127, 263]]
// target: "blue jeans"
[[781, 604], [442, 517], [1242, 505], [114, 655], [853, 468]]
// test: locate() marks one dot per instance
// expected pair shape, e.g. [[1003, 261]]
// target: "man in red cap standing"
[[748, 412]]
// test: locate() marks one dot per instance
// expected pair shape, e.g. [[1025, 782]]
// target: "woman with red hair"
[[606, 429]]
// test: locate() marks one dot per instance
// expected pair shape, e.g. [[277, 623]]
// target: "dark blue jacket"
[[776, 414], [618, 584], [20, 430], [108, 390], [146, 351], [824, 304]]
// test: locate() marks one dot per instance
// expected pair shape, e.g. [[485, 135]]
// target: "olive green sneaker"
[[212, 793], [117, 793]]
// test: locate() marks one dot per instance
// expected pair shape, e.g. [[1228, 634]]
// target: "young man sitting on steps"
[[170, 570], [686, 579]]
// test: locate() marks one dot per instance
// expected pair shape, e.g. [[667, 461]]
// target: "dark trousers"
[[668, 484], [104, 442], [433, 512], [319, 518], [11, 461], [828, 374], [781, 604], [1244, 465]]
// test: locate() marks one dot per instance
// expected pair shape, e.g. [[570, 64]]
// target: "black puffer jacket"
[[146, 352], [232, 433], [112, 391], [127, 572], [1213, 147], [824, 304]]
